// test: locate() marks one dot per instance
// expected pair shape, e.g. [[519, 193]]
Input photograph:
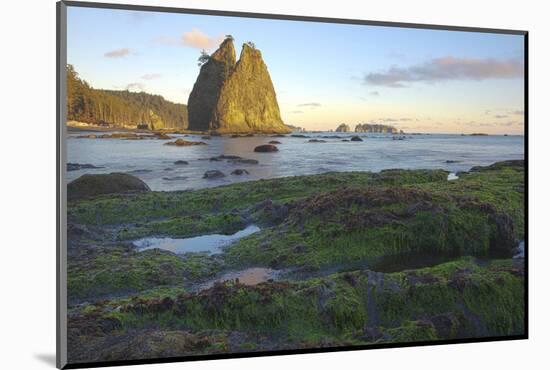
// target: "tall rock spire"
[[206, 91], [239, 98]]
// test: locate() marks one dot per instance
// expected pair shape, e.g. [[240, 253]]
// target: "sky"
[[324, 74]]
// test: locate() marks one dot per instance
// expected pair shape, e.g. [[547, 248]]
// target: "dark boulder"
[[240, 171], [92, 185], [213, 174], [356, 138], [266, 148]]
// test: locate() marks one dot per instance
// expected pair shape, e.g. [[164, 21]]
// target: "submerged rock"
[[180, 162], [235, 97], [175, 178], [92, 185], [240, 171], [243, 161], [356, 138], [181, 142], [274, 142], [266, 148], [316, 141], [80, 166], [225, 156], [213, 174]]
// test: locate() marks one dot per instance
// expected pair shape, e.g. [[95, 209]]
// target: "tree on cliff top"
[[203, 58]]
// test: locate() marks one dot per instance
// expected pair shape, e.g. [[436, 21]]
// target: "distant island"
[[121, 109], [343, 128], [295, 128], [376, 128], [370, 128]]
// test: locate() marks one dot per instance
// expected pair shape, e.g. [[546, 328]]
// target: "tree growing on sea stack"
[[234, 97]]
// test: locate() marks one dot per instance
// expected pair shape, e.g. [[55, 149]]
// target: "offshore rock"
[[231, 97], [87, 186]]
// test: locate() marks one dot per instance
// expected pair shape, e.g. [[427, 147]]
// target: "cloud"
[[151, 76], [311, 105], [135, 86], [297, 111], [517, 113], [500, 116], [193, 39], [445, 69], [200, 40], [511, 123], [492, 124], [374, 93], [118, 53]]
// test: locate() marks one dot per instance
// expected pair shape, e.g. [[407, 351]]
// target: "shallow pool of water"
[[212, 243], [452, 176], [249, 276], [520, 253]]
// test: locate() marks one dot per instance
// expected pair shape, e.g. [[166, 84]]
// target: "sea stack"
[[343, 128], [235, 97]]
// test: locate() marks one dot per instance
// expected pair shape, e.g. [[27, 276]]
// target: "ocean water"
[[153, 162]]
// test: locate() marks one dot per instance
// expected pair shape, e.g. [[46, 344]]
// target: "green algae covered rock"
[[231, 97], [358, 253], [87, 186]]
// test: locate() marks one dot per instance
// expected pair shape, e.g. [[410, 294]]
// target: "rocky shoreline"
[[324, 234]]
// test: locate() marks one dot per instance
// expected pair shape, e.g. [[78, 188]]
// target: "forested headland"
[[121, 108]]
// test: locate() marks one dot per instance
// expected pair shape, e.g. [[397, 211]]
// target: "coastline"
[[74, 126]]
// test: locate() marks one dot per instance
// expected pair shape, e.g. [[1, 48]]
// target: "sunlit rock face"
[[206, 91], [231, 97]]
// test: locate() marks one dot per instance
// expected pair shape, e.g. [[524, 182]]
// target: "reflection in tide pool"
[[212, 243]]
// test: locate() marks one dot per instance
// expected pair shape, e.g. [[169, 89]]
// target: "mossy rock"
[[88, 186]]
